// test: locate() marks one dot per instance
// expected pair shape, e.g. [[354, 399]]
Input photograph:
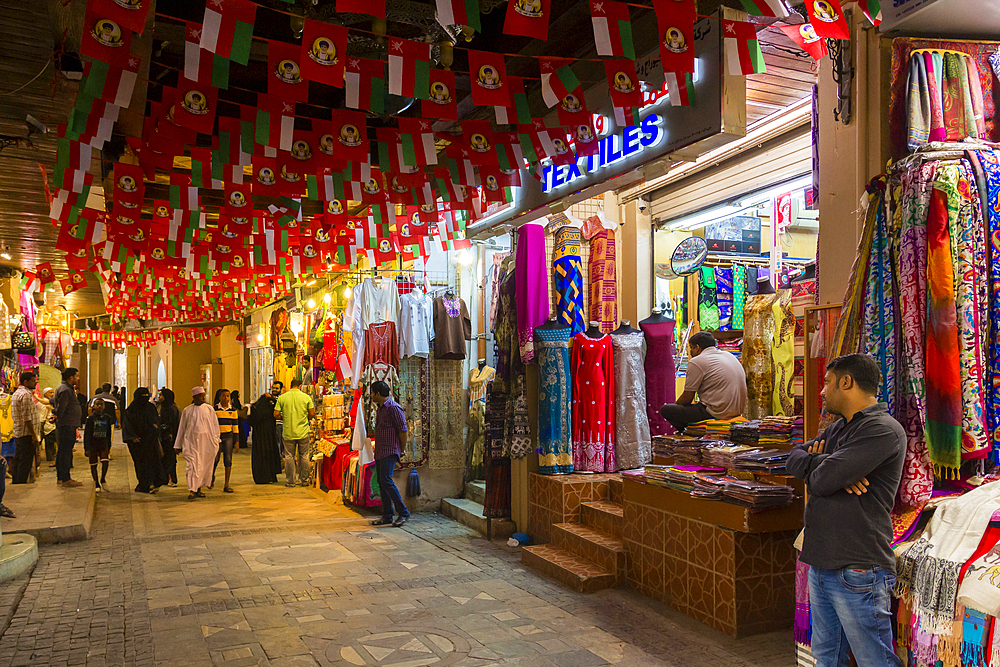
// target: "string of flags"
[[144, 338], [384, 195]]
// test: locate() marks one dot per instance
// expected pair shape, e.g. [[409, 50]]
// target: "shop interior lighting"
[[5, 251], [311, 303], [703, 219], [311, 283], [464, 257], [260, 338], [758, 198], [347, 291], [327, 298]]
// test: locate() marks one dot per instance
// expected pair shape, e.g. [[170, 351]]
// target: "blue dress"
[[555, 426]]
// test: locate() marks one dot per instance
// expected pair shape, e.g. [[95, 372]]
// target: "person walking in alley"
[[69, 417], [97, 442], [225, 411], [295, 409], [170, 419], [265, 452], [22, 408], [390, 438], [198, 440], [852, 472], [48, 423], [141, 431]]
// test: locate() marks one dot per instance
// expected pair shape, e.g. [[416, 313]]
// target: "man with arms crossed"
[[852, 472]]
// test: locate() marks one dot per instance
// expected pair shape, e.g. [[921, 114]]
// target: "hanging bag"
[[23, 341]]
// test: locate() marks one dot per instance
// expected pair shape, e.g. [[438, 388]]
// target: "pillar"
[[635, 283]]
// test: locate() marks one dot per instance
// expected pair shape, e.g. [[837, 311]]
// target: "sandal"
[[199, 494], [228, 489], [192, 496], [6, 512], [382, 522]]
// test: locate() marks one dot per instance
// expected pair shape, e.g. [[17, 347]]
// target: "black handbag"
[[23, 342]]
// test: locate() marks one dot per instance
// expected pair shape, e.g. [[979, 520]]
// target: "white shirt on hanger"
[[416, 325], [381, 302]]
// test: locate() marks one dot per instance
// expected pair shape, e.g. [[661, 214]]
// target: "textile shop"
[[923, 299]]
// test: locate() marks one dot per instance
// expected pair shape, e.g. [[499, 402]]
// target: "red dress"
[[593, 367]]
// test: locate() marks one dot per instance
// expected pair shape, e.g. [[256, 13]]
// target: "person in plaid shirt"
[[390, 438], [22, 408]]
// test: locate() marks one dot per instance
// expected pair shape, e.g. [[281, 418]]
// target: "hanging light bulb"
[[327, 298], [311, 304], [260, 338], [347, 291]]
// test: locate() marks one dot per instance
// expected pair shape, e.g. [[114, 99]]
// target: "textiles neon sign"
[[614, 148]]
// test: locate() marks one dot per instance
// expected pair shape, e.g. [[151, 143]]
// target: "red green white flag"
[[612, 28], [806, 38], [459, 12], [409, 68], [558, 79], [680, 85], [228, 28], [872, 10], [743, 52], [828, 19], [275, 122], [417, 138], [109, 83], [129, 14], [201, 65], [364, 85], [775, 8], [519, 111]]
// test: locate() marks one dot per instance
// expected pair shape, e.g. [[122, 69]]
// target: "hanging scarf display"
[[878, 330], [739, 295], [783, 355], [603, 281], [532, 287], [568, 270], [990, 162], [708, 306], [758, 339]]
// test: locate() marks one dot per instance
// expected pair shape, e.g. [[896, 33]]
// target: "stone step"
[[616, 490], [604, 516], [18, 554], [476, 491], [578, 573], [470, 513], [600, 548]]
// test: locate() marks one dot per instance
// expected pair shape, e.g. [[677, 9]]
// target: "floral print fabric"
[[554, 395]]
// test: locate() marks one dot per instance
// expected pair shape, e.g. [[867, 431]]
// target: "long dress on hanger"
[[603, 281], [593, 404], [478, 379], [532, 287], [660, 374], [554, 407], [633, 446], [568, 270], [758, 338]]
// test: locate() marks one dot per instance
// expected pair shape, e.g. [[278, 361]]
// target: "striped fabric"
[[228, 420]]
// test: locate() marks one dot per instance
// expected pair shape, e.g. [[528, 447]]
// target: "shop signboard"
[[896, 11], [717, 116]]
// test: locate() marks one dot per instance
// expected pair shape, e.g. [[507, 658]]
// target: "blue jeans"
[[384, 468], [64, 455], [851, 612]]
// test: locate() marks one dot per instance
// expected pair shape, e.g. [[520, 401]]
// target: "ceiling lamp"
[[327, 298]]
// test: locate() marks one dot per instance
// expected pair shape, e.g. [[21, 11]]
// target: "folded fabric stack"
[[776, 432], [680, 478], [696, 430], [745, 433], [733, 346], [709, 486], [764, 460], [682, 449], [798, 430], [713, 429], [724, 454], [757, 495]]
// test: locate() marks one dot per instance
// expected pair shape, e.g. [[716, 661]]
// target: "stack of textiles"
[[745, 433], [709, 486], [682, 448], [764, 460], [757, 495], [733, 346], [680, 478], [776, 432], [724, 454], [798, 430], [714, 429], [696, 430]]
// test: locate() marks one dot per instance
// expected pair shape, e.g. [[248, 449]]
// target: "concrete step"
[[53, 514], [616, 490], [476, 491], [18, 554], [599, 548], [604, 516], [470, 513], [578, 573]]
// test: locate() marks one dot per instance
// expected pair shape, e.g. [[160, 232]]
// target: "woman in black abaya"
[[265, 459], [140, 431]]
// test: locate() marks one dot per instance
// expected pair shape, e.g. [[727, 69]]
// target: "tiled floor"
[[281, 577]]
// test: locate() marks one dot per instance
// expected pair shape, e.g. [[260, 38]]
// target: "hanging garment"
[[416, 325], [633, 446], [554, 407], [517, 419], [497, 501], [594, 409], [739, 296], [918, 104], [966, 243], [452, 327], [478, 380], [934, 64], [878, 332], [708, 306], [724, 297], [783, 355], [758, 339], [568, 270], [917, 481], [660, 375], [944, 384], [990, 162], [532, 287], [508, 355], [381, 345], [495, 274], [603, 281]]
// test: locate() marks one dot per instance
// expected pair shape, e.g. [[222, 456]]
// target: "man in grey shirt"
[[718, 379], [852, 471], [68, 413]]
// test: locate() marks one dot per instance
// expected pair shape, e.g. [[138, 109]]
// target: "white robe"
[[198, 438]]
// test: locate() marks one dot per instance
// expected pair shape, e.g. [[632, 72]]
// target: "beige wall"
[[185, 370], [226, 347]]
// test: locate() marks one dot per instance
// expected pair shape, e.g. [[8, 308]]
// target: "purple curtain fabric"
[[532, 287]]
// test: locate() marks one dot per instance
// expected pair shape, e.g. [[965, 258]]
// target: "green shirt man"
[[295, 409]]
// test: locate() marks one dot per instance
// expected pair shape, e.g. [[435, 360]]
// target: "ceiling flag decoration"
[[129, 14], [558, 79], [680, 85], [479, 141], [323, 53], [193, 106], [675, 19], [806, 39], [774, 8], [572, 108], [441, 99], [409, 68], [45, 273], [627, 116], [518, 111], [488, 74], [201, 65], [742, 48], [585, 136], [284, 77], [828, 19], [350, 135], [105, 40], [364, 85], [275, 122], [528, 18], [109, 83], [76, 280], [612, 28], [459, 12], [872, 11], [623, 83], [417, 139], [228, 29], [374, 8]]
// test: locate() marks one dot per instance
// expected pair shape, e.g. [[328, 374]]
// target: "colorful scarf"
[[802, 625], [532, 287], [783, 355], [603, 281], [879, 325], [943, 381], [978, 106], [708, 305], [918, 104], [739, 295], [990, 163], [848, 327], [934, 65], [568, 270]]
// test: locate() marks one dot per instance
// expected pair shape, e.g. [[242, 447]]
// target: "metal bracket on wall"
[[842, 59]]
